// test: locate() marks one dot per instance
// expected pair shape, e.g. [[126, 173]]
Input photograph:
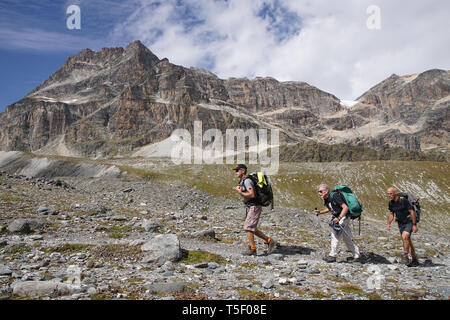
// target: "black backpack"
[[263, 189], [413, 201]]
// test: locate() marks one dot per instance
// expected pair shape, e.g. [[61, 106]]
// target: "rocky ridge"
[[117, 100]]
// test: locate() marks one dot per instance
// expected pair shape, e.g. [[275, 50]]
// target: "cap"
[[240, 166]]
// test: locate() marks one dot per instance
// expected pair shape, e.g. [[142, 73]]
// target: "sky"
[[343, 47]]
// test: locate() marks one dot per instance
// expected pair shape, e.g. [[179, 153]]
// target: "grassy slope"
[[295, 184]]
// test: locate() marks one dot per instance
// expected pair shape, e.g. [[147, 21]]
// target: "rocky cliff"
[[112, 102]]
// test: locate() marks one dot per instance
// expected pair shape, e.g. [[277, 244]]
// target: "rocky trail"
[[122, 238]]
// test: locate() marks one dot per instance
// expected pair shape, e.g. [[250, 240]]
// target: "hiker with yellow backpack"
[[256, 193]]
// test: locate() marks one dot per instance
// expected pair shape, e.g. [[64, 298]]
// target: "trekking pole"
[[311, 220], [318, 220], [343, 229]]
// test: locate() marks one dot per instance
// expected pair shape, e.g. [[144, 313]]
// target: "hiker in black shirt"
[[401, 209]]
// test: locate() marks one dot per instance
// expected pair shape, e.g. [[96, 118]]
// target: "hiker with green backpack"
[[336, 203], [254, 197]]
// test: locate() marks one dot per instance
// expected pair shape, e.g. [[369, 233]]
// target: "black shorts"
[[405, 227]]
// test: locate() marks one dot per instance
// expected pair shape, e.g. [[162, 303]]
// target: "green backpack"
[[355, 207]]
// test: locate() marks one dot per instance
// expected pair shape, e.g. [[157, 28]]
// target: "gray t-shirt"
[[246, 185]]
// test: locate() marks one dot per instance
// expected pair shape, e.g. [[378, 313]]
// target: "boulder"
[[20, 226], [162, 248], [162, 287], [151, 225], [205, 234], [40, 288], [47, 210], [5, 271]]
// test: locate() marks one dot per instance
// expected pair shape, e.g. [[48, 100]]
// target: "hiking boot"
[[354, 260], [413, 263], [404, 260], [330, 259], [249, 252], [272, 245]]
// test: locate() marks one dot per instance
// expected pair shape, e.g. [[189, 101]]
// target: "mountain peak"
[[142, 53], [136, 44]]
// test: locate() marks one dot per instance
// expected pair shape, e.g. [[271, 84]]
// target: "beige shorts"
[[251, 222]]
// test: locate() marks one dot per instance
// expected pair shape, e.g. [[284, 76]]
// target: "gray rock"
[[47, 210], [213, 265], [137, 242], [168, 298], [201, 265], [35, 224], [44, 263], [151, 225], [205, 234], [92, 291], [40, 288], [211, 294], [119, 218], [220, 270], [302, 262], [90, 207], [103, 287], [276, 256], [444, 291], [162, 248], [168, 266], [5, 271], [19, 225], [36, 237], [268, 284], [163, 287], [168, 274]]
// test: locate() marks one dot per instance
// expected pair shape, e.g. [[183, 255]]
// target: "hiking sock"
[[252, 247]]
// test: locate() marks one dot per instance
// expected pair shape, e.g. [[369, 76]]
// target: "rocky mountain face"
[[101, 104], [418, 105]]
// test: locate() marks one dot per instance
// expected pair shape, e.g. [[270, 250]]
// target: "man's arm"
[[343, 213], [249, 194], [317, 212], [414, 220], [390, 219]]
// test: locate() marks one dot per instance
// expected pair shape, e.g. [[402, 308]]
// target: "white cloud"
[[322, 42], [334, 50]]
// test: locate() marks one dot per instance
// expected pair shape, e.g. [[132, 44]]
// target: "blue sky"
[[325, 43]]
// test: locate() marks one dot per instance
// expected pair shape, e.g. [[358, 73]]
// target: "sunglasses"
[[321, 191]]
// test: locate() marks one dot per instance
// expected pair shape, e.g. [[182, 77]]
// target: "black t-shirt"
[[335, 203], [400, 208]]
